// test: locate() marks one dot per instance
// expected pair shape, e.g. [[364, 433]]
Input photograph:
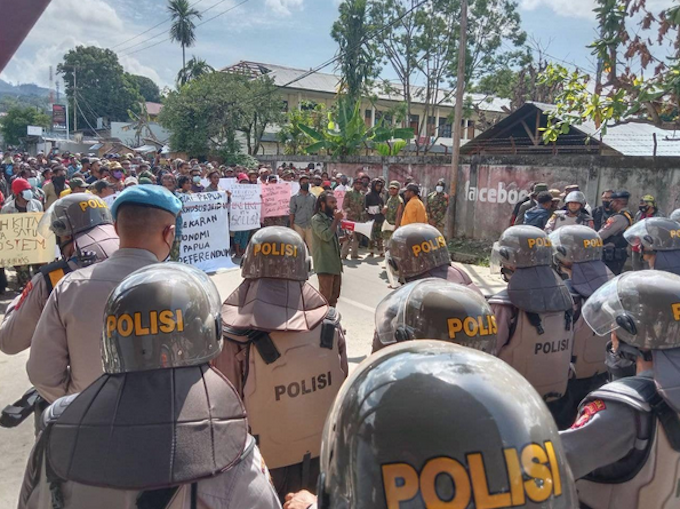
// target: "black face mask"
[[606, 204], [59, 180], [304, 187], [623, 363], [643, 208]]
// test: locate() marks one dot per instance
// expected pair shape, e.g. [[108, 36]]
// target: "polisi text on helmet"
[[588, 243], [540, 242], [532, 474], [429, 245], [141, 324], [473, 326], [275, 249], [92, 204]]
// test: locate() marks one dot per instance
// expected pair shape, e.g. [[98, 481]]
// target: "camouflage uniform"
[[436, 206], [393, 203], [355, 210]]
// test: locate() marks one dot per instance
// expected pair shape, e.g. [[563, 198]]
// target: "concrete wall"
[[489, 187]]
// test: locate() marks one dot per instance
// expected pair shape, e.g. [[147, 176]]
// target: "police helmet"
[[675, 215], [162, 316], [655, 234], [642, 307], [576, 197], [434, 308], [74, 214], [417, 248], [576, 244], [521, 247], [276, 252], [433, 424]]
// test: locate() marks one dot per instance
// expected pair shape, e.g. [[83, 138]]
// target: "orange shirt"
[[414, 212]]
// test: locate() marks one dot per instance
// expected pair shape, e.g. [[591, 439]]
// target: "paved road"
[[364, 286]]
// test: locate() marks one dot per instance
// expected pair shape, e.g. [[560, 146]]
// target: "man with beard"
[[326, 247], [54, 187], [602, 213]]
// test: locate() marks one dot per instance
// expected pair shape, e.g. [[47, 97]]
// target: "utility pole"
[[75, 100], [457, 120]]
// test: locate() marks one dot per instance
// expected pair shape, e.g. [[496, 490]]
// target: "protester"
[[184, 184], [437, 206], [354, 209], [414, 211], [214, 178], [539, 215], [326, 247], [302, 207], [374, 209], [56, 185], [647, 208]]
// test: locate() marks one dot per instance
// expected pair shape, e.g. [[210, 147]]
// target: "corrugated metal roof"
[[328, 83]]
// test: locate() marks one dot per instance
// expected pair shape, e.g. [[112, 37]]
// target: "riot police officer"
[[435, 309], [625, 444], [85, 235], [160, 428], [659, 238], [428, 424], [419, 251], [615, 246], [578, 259], [285, 353], [534, 314]]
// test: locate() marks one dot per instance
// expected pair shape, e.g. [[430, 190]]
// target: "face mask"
[[59, 180], [196, 179], [27, 194], [621, 364], [643, 208], [304, 187], [439, 189], [606, 204], [118, 175]]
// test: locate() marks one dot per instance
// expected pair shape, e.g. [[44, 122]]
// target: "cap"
[[648, 198], [77, 183], [19, 185], [540, 188], [620, 195], [145, 181], [131, 181], [100, 185], [395, 184], [148, 196]]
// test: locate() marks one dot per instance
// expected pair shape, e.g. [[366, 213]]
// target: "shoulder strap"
[[535, 320], [54, 272], [261, 339], [328, 328]]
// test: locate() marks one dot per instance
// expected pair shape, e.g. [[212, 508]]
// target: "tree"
[[13, 125], [357, 55], [182, 28], [291, 136], [104, 88], [147, 88], [263, 107], [421, 44], [195, 67], [632, 40]]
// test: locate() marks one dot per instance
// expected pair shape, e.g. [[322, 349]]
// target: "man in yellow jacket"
[[414, 212]]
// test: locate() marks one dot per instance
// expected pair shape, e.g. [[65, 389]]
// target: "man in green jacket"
[[326, 247]]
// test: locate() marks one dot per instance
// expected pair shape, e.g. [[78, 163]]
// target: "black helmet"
[[417, 248], [162, 316], [423, 408], [73, 214], [434, 308], [276, 252]]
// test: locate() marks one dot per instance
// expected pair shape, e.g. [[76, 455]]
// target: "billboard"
[[58, 116], [33, 130]]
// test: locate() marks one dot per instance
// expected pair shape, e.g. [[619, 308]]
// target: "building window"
[[471, 129], [284, 106], [386, 118], [414, 123], [444, 127], [431, 126], [307, 105], [368, 117]]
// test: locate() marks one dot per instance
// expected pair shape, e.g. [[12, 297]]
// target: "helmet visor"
[[656, 233], [389, 314], [45, 223], [603, 307], [496, 260]]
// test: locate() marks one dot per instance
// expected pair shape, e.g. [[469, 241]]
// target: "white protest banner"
[[205, 231], [246, 207], [225, 183], [340, 196], [20, 242], [275, 200], [294, 188]]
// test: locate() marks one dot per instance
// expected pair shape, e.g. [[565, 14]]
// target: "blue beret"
[[148, 196]]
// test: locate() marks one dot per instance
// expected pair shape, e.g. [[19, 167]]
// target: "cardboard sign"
[[276, 200], [20, 242], [340, 196], [205, 231], [246, 207]]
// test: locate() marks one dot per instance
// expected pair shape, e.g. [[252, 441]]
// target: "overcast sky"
[[286, 32]]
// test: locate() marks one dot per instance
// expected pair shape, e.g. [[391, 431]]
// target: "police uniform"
[[419, 251], [534, 314], [95, 240], [616, 247], [625, 444], [285, 353], [157, 386], [65, 351], [425, 424]]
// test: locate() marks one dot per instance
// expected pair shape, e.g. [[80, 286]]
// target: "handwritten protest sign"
[[246, 205], [340, 196], [205, 231], [20, 242], [275, 200], [225, 183]]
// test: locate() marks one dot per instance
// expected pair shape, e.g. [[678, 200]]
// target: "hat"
[[413, 187], [148, 196], [75, 183], [145, 181], [303, 176], [242, 176], [540, 188], [131, 181], [395, 184], [252, 172], [100, 185], [556, 194], [19, 185], [620, 195], [115, 166], [648, 198]]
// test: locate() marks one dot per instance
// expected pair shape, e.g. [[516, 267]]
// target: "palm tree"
[[182, 29], [195, 67]]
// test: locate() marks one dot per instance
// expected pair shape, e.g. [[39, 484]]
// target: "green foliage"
[[193, 69], [358, 55], [8, 101], [13, 125], [293, 139], [104, 88], [239, 159], [147, 88], [346, 133], [183, 28], [391, 148], [205, 115]]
